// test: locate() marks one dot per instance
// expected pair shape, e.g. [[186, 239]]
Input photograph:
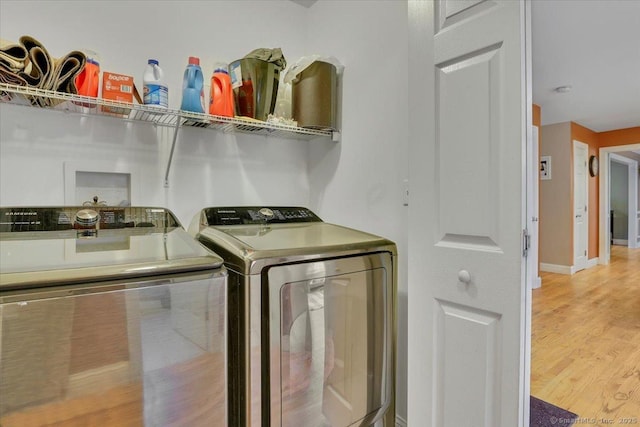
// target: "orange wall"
[[591, 138], [596, 140], [536, 115], [619, 137]]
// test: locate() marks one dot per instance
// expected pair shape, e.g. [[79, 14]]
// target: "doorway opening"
[[578, 320], [605, 199]]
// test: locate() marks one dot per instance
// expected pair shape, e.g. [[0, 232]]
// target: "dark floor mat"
[[545, 414]]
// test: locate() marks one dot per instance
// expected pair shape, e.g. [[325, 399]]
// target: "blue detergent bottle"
[[193, 87]]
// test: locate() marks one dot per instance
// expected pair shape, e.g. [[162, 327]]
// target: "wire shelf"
[[29, 96]]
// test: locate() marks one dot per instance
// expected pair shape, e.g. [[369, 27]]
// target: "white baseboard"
[[621, 242], [537, 282], [566, 269], [555, 268], [400, 422], [592, 262]]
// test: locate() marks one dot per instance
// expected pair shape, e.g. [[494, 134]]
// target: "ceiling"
[[594, 47]]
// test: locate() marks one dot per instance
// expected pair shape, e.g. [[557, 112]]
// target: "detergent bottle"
[[193, 87], [88, 80], [221, 100]]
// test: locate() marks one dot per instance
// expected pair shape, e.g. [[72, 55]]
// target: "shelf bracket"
[[173, 147]]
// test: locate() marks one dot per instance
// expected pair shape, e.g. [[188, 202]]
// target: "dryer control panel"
[[258, 215]]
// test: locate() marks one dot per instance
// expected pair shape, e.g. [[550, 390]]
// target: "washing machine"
[[109, 316], [312, 311]]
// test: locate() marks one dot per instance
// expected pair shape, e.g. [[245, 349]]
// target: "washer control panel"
[[18, 219], [258, 215]]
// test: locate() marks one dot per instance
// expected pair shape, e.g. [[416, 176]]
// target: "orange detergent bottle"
[[88, 81], [221, 99]]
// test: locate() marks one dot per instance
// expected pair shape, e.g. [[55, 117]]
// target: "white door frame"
[[585, 213], [632, 197], [605, 177], [533, 201]]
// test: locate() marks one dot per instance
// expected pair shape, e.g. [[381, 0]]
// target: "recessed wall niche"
[[112, 186]]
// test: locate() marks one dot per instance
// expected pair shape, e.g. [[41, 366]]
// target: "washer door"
[[330, 334], [146, 353]]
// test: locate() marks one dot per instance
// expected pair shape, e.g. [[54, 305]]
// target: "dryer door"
[[330, 339]]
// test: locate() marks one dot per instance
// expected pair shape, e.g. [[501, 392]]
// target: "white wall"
[[209, 168], [357, 182], [360, 182]]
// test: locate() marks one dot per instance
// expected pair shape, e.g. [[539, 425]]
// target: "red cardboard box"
[[117, 87]]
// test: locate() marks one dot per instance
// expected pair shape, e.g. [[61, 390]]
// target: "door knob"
[[464, 276]]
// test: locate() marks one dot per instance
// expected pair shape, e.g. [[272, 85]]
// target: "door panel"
[[468, 128], [453, 7], [468, 90], [450, 12], [462, 331]]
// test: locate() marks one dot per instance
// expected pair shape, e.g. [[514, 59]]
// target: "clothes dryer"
[[109, 316], [312, 312]]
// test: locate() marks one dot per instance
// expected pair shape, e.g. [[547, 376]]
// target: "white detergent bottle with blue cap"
[[156, 92]]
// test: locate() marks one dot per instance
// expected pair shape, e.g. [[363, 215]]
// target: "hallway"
[[586, 341]]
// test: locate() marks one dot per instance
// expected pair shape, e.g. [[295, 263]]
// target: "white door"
[[580, 195], [470, 112]]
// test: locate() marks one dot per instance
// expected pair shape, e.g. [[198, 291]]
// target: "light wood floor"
[[586, 341]]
